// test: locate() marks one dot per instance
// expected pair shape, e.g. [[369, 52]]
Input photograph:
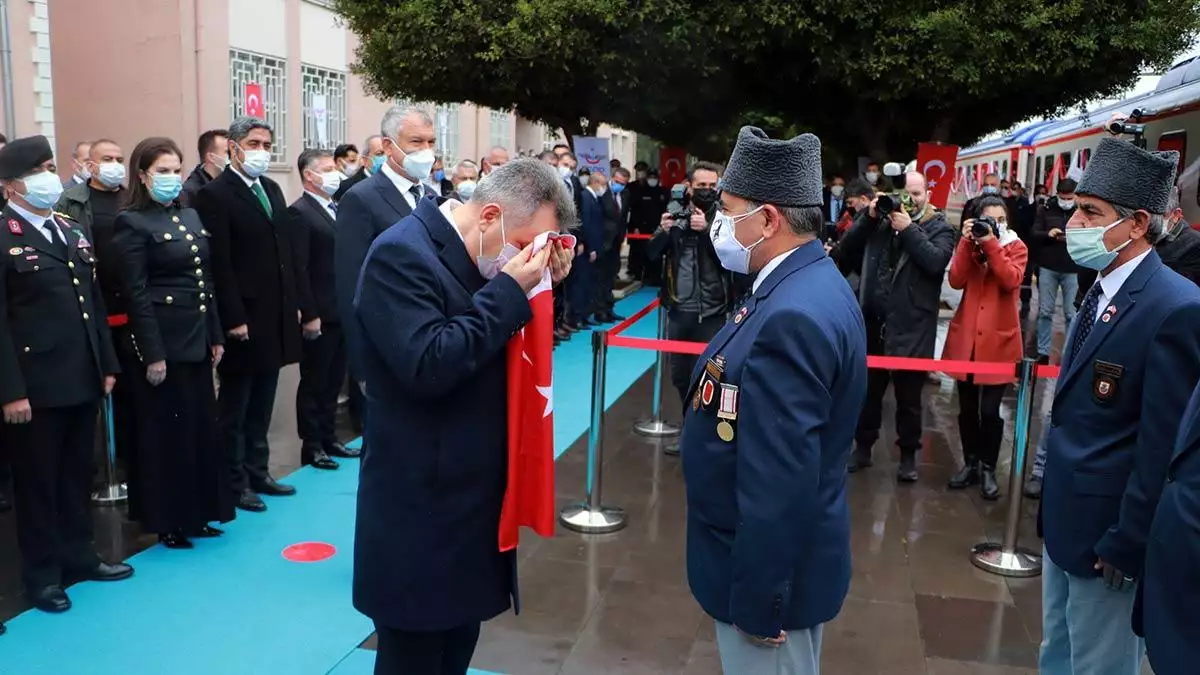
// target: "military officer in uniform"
[[56, 364], [771, 417]]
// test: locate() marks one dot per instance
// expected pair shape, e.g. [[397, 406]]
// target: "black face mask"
[[704, 198]]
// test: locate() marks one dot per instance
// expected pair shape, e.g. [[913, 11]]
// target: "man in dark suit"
[[1130, 361], [56, 364], [615, 203], [581, 287], [258, 296], [768, 429], [361, 167], [834, 198], [376, 204], [323, 365], [437, 303], [213, 146]]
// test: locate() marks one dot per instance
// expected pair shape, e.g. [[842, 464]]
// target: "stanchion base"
[[655, 429], [110, 495], [1020, 562], [579, 518]]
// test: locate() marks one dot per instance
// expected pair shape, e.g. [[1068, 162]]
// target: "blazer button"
[[85, 316], [76, 281], [81, 299], [201, 283], [199, 272], [181, 227], [203, 308], [167, 237], [170, 299], [27, 350], [188, 237], [196, 260], [195, 248], [71, 265]]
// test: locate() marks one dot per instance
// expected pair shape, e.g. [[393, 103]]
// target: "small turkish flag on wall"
[[254, 100]]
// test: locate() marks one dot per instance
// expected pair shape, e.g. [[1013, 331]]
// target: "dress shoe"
[[615, 318], [988, 488], [51, 599], [561, 333], [107, 572], [207, 532], [336, 449], [907, 473], [248, 501], [320, 460], [966, 476], [1033, 488], [585, 324], [5, 505], [274, 489], [860, 459], [175, 540]]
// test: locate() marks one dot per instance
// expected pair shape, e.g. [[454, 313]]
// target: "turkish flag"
[[529, 496], [936, 161], [254, 101], [672, 166]]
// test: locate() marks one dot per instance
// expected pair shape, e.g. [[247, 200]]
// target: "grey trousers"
[[800, 655]]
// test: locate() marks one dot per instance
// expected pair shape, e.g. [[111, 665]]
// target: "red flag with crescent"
[[254, 101], [672, 166], [936, 161], [529, 495]]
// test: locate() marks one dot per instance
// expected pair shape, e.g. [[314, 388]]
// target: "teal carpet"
[[234, 606], [362, 662]]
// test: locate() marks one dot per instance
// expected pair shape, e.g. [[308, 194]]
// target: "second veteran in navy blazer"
[[1130, 361], [441, 294], [770, 419]]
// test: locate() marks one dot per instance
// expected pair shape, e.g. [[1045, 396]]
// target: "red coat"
[[987, 325]]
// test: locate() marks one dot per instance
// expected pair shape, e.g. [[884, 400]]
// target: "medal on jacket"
[[727, 412]]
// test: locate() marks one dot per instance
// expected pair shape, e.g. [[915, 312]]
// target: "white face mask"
[[564, 172], [1066, 204], [84, 174], [419, 164], [466, 189], [583, 180], [351, 168], [255, 162], [872, 176], [599, 192], [42, 190], [733, 256], [111, 174], [218, 160], [837, 190], [490, 267], [652, 182], [330, 182]]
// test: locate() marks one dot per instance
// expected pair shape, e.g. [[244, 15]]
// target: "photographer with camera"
[[988, 266], [900, 246], [697, 292]]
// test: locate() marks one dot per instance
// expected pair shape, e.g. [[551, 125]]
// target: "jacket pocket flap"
[[1099, 484]]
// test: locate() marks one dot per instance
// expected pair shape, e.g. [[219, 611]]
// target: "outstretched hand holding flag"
[[529, 497]]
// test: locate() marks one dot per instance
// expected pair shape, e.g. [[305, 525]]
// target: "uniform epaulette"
[[64, 216]]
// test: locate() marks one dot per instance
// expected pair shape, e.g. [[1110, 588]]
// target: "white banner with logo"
[[592, 154], [321, 117]]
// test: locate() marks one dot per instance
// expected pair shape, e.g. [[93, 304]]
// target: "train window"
[[1177, 141], [1037, 173], [1004, 169], [1064, 167], [1047, 169], [1084, 156]]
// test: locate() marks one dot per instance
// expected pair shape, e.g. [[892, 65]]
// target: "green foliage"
[[870, 78]]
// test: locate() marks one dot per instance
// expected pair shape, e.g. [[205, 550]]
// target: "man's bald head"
[[918, 188]]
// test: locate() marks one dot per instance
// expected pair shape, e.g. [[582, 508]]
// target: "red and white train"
[[1043, 152]]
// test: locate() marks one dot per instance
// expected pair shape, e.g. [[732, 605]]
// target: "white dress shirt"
[[402, 184], [1110, 284], [446, 209], [770, 267], [249, 181], [40, 223], [325, 202]]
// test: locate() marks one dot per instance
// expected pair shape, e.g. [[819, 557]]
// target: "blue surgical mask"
[[165, 187], [377, 163], [255, 162], [42, 190], [733, 256], [439, 175], [466, 189], [1087, 248], [991, 190], [618, 188]]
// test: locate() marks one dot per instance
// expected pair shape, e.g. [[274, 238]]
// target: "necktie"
[[1086, 319], [333, 207], [56, 238], [415, 191], [259, 192]]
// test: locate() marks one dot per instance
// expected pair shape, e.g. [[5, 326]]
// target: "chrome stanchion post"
[[592, 517], [113, 492], [655, 427], [1006, 558]]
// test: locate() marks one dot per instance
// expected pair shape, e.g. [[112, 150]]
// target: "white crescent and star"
[[546, 393], [252, 102]]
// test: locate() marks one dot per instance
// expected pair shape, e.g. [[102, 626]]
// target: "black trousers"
[[637, 256], [322, 373], [908, 387], [608, 266], [689, 327], [244, 408], [52, 464], [445, 652], [1027, 285], [357, 404], [980, 426], [580, 284]]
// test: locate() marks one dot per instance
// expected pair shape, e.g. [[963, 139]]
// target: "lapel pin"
[[16, 250], [740, 315], [15, 227]]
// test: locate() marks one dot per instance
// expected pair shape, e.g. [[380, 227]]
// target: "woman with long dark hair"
[[174, 341]]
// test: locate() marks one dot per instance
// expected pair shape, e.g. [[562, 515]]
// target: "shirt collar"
[[321, 199], [248, 180], [1111, 283], [770, 267], [402, 184], [446, 209], [31, 218]]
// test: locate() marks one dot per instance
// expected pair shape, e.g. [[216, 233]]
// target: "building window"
[[500, 129], [332, 85], [271, 74], [445, 120]]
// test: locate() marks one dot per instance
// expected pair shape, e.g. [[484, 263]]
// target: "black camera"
[[680, 206], [1131, 127], [886, 203], [983, 225]]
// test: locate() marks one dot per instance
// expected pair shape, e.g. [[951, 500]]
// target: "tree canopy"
[[874, 80]]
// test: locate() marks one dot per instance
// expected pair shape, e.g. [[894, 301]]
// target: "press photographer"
[[696, 291], [900, 245], [988, 267]]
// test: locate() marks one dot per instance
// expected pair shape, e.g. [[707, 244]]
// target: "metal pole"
[[592, 517], [113, 492], [6, 73], [1006, 558], [655, 427]]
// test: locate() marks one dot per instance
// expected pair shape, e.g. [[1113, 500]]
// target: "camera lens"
[[885, 205]]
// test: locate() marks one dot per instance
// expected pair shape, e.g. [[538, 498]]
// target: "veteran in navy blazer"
[[437, 303], [771, 418], [1130, 361]]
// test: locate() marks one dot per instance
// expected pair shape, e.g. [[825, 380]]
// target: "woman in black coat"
[[174, 340]]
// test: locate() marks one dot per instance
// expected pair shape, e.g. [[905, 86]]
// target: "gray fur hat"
[[1123, 174], [783, 173]]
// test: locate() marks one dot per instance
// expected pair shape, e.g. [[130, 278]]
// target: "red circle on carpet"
[[309, 552]]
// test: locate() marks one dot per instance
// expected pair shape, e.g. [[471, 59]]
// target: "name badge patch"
[[1105, 378]]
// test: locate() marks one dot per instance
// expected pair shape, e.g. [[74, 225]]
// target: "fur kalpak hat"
[[768, 171], [1123, 174]]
